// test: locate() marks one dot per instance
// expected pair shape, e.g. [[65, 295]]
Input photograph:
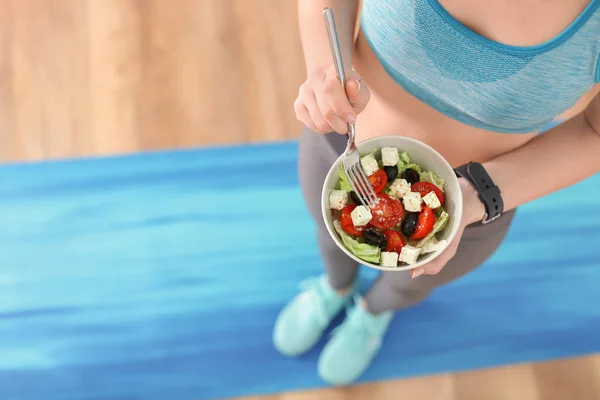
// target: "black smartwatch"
[[488, 192]]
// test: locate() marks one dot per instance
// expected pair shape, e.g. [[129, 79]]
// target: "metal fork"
[[351, 161]]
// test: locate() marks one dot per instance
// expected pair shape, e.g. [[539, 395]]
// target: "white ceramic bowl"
[[428, 159]]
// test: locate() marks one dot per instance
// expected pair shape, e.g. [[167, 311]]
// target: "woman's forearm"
[[561, 157], [315, 43]]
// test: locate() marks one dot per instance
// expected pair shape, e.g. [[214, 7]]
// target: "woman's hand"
[[473, 211], [322, 104]]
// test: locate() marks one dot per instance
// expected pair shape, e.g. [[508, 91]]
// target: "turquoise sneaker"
[[302, 322], [353, 346]]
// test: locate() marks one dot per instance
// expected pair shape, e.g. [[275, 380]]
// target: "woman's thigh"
[[317, 153]]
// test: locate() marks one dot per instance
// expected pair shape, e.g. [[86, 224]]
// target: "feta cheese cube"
[[389, 156], [338, 199], [400, 187], [412, 201], [369, 164], [432, 200], [389, 259], [361, 216], [433, 245], [409, 254]]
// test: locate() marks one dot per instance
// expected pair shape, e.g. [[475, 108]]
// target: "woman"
[[476, 80]]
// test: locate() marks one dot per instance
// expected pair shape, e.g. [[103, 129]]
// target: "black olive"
[[355, 198], [375, 238], [409, 224], [391, 171], [411, 175]]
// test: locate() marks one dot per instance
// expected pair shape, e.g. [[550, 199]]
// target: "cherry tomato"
[[395, 241], [378, 180], [346, 221], [426, 187], [425, 223], [387, 213]]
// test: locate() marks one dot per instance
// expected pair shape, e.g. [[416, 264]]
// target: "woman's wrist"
[[320, 63], [473, 208]]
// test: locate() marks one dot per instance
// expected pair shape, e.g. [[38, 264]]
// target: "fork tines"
[[361, 185]]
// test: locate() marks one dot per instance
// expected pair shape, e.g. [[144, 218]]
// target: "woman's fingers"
[[303, 116], [324, 105], [337, 98], [329, 115], [435, 268], [320, 123], [358, 92], [334, 106], [431, 268]]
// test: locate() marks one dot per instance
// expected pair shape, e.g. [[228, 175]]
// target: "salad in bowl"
[[415, 217]]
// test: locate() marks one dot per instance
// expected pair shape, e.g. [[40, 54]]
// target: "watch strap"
[[488, 192]]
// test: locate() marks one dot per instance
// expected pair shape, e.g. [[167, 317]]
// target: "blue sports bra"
[[478, 81]]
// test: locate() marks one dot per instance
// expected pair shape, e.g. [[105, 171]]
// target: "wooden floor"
[[109, 76], [92, 77]]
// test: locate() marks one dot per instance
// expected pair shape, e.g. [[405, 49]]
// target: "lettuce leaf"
[[404, 163], [404, 158], [363, 251], [431, 177], [441, 222], [439, 211], [416, 167], [431, 242], [344, 184]]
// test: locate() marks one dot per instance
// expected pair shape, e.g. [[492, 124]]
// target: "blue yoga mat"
[[159, 276]]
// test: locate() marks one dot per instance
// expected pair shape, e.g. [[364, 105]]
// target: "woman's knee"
[[396, 290], [406, 296]]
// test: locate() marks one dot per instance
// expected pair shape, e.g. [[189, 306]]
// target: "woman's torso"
[[393, 110]]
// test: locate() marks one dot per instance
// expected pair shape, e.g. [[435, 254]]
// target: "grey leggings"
[[392, 290]]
